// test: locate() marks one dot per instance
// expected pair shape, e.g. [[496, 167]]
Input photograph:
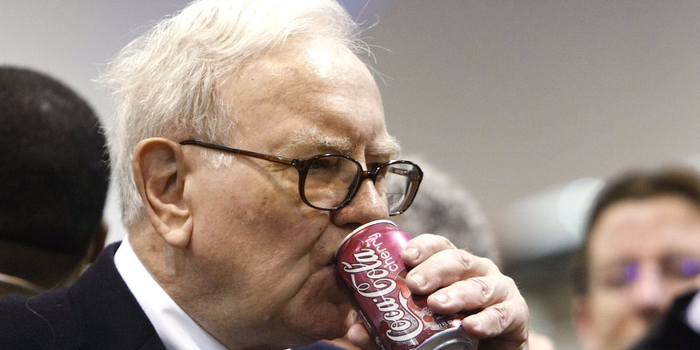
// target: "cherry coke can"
[[372, 275]]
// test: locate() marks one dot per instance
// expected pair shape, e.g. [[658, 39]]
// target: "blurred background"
[[530, 105]]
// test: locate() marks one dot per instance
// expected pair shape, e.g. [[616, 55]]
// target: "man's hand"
[[459, 281]]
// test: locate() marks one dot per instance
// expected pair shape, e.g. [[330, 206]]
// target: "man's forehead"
[[382, 145], [637, 240], [657, 213]]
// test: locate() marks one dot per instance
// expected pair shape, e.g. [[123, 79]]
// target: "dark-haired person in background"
[[54, 177], [640, 252]]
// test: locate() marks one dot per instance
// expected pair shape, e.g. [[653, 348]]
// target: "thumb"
[[359, 337]]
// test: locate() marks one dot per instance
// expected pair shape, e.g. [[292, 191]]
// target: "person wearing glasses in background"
[[248, 141], [641, 251]]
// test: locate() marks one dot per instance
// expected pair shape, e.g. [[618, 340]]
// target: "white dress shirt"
[[176, 329], [693, 313]]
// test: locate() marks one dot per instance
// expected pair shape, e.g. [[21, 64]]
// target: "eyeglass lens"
[[676, 267], [397, 180], [331, 180]]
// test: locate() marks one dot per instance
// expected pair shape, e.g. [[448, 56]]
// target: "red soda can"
[[372, 275]]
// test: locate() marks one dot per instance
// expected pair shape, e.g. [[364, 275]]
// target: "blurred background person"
[[445, 208], [641, 250], [53, 183]]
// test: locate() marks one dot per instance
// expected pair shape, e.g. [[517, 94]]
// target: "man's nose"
[[367, 205], [648, 291]]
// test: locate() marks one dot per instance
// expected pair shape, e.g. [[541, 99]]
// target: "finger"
[[446, 267], [472, 294], [507, 320], [357, 335], [540, 341], [422, 247]]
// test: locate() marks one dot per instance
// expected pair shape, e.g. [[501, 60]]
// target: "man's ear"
[[97, 243], [160, 172], [583, 320]]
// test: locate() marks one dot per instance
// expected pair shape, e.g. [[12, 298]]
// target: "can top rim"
[[362, 227]]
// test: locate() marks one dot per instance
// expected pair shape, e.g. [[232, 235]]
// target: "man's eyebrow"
[[312, 138], [385, 148], [388, 147]]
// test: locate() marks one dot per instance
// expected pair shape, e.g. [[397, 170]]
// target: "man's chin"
[[625, 339], [320, 310], [329, 322]]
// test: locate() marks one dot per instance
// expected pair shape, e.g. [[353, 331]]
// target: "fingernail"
[[441, 298], [412, 252], [418, 278]]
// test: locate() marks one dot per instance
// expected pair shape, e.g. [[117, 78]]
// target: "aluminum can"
[[372, 274]]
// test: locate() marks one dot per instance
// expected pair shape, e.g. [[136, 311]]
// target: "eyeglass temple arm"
[[276, 159], [410, 174]]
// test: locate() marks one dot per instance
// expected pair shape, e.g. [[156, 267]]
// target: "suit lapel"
[[108, 315]]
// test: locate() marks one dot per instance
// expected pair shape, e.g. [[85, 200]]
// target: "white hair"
[[167, 82]]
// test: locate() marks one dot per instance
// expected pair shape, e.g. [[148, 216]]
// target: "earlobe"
[[98, 242], [160, 174], [582, 319]]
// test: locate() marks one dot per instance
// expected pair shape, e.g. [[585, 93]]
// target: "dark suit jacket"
[[98, 312], [319, 345], [672, 331]]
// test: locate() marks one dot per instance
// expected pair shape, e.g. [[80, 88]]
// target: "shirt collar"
[[176, 329]]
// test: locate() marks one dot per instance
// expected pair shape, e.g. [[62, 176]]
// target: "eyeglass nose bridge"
[[362, 175], [369, 174]]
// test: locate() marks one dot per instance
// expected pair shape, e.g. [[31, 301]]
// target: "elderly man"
[[248, 141]]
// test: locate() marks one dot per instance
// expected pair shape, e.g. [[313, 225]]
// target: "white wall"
[[517, 97]]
